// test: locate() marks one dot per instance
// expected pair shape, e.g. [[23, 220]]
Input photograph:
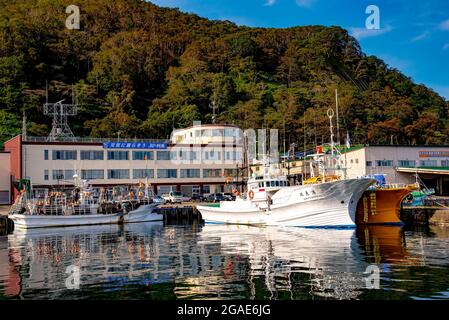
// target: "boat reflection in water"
[[153, 261], [326, 261]]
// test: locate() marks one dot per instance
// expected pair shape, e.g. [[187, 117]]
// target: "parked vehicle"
[[198, 197], [186, 198], [173, 197], [215, 197], [229, 196], [158, 200]]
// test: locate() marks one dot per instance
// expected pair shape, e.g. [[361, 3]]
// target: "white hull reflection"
[[331, 259]]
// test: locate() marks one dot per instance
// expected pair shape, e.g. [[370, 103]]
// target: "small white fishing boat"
[[44, 221], [144, 213], [57, 210]]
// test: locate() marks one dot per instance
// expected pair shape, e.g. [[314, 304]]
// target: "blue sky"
[[413, 35]]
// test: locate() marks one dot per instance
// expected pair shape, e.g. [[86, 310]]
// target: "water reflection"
[[153, 261]]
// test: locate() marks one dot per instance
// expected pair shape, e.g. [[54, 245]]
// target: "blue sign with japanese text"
[[135, 145]]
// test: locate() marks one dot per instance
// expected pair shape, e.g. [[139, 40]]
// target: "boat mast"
[[338, 123]]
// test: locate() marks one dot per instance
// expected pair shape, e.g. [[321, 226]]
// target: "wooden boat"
[[382, 205]]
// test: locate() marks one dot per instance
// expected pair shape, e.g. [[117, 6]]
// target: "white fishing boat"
[[144, 213], [331, 204], [59, 211]]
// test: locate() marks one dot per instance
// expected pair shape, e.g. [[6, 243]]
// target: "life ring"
[[251, 194]]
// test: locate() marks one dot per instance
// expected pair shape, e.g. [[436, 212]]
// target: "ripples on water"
[[153, 261]]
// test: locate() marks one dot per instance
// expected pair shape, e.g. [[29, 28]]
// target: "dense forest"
[[139, 70]]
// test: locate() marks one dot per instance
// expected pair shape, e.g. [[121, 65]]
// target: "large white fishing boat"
[[270, 201], [331, 204]]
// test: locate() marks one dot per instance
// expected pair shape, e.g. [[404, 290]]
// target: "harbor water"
[[157, 261]]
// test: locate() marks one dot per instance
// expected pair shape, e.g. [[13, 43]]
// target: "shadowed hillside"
[[141, 70]]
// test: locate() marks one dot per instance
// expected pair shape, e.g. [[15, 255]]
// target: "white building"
[[199, 159], [401, 164]]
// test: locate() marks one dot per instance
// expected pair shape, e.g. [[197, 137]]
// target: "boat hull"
[[144, 213], [330, 204], [44, 221], [381, 206]]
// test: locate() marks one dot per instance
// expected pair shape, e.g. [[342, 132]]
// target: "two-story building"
[[199, 159]]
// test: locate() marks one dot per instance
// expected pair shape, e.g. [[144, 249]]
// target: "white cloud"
[[444, 25], [305, 3], [421, 36], [361, 33], [270, 3]]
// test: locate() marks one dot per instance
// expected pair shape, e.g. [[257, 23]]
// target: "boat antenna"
[[330, 114], [338, 122]]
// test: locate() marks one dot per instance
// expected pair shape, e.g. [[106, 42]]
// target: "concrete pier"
[[425, 216], [6, 225], [179, 214]]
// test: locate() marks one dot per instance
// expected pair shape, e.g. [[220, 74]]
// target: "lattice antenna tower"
[[60, 111]]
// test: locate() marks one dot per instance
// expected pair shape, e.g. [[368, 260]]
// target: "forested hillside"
[[139, 70]]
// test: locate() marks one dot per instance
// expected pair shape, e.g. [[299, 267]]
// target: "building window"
[[230, 172], [46, 175], [167, 173], [384, 163], [357, 161], [118, 155], [60, 174], [64, 154], [143, 155], [212, 155], [45, 154], [206, 189], [186, 155], [234, 155], [91, 155], [211, 173], [143, 173], [445, 163], [118, 174], [407, 163], [92, 174], [428, 163], [163, 155], [190, 173], [369, 163]]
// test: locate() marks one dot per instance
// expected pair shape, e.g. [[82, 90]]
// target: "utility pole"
[[338, 123]]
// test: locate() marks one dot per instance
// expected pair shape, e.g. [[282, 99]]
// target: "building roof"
[[428, 170]]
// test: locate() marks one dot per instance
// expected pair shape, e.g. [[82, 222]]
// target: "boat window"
[[277, 183], [302, 195]]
